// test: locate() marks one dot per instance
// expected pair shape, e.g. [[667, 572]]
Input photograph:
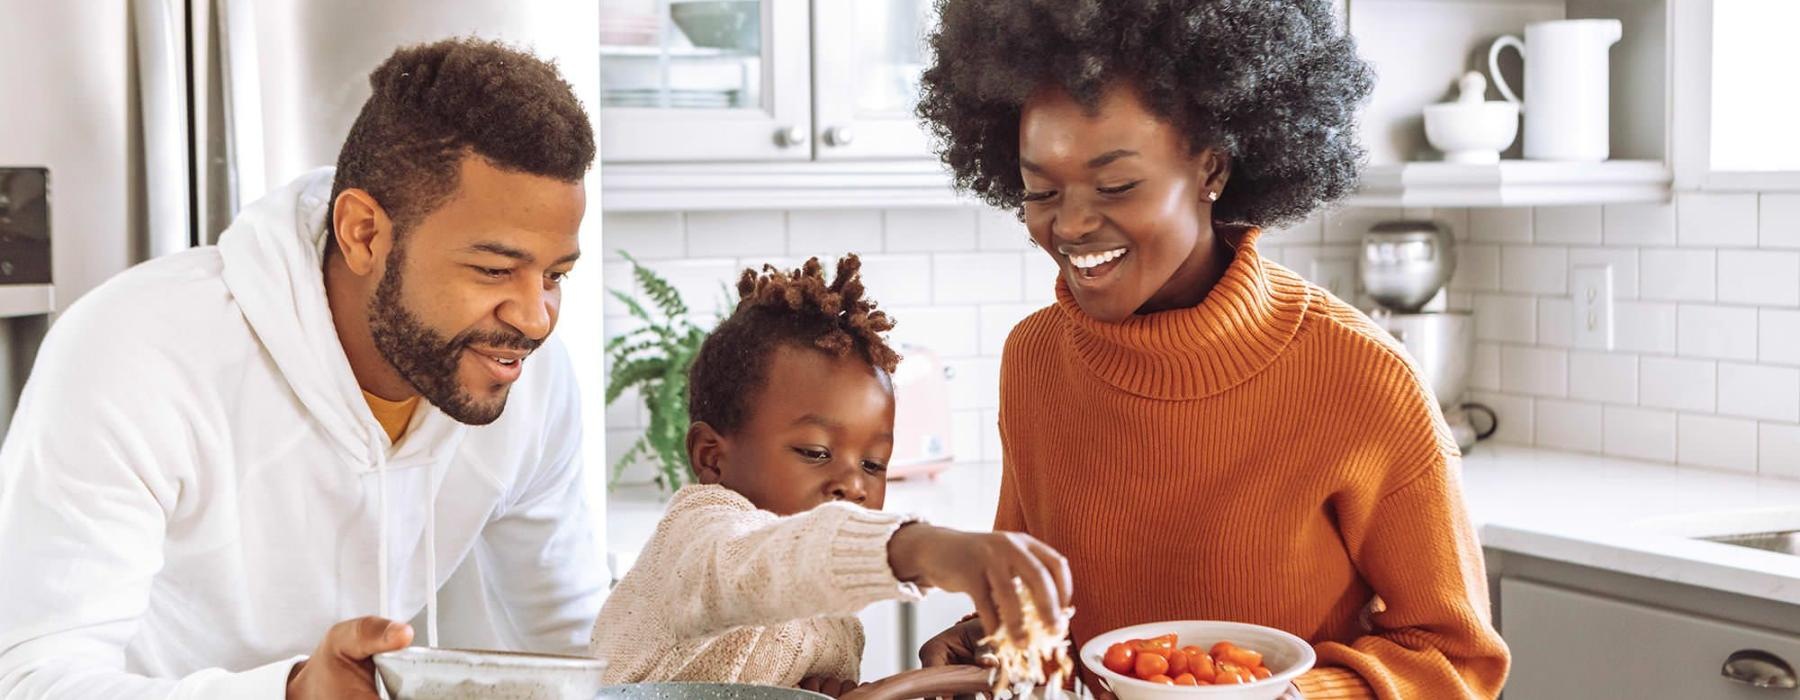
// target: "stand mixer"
[[1404, 267]]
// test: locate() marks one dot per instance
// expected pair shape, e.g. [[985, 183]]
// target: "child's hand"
[[960, 644], [984, 565], [828, 686]]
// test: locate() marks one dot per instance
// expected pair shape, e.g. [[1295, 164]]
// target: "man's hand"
[[341, 667], [1095, 689], [960, 644], [828, 686]]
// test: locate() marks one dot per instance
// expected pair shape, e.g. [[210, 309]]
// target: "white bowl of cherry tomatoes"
[[1188, 659]]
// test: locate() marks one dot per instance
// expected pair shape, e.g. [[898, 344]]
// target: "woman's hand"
[[828, 686], [984, 565]]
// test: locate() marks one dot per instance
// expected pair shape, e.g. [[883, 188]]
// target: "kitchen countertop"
[[1613, 514]]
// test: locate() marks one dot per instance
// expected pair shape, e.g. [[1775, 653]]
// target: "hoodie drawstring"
[[431, 599]]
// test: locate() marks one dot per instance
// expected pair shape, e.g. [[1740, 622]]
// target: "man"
[[222, 455]]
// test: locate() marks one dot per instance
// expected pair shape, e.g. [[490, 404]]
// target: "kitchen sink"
[[1786, 542]]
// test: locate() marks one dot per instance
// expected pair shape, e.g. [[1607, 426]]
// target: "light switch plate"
[[1336, 275], [1591, 287]]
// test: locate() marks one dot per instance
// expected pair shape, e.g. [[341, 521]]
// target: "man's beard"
[[424, 358]]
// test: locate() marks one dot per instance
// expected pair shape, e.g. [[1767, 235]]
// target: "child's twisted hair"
[[776, 307]]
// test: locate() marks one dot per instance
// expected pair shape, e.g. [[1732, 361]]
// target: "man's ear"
[[707, 450], [364, 234]]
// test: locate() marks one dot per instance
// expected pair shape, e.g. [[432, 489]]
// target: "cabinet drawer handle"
[[1758, 668], [790, 137]]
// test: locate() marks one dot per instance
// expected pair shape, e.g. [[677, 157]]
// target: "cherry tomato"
[[1160, 678], [1120, 658], [1219, 650], [1157, 645], [1261, 672], [1178, 662], [1240, 656], [1151, 664], [1201, 665], [1228, 675], [1186, 679]]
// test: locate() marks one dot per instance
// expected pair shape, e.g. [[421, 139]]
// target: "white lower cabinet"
[[1577, 645]]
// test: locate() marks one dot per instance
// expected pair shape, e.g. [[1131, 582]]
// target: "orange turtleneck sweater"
[[1268, 456]]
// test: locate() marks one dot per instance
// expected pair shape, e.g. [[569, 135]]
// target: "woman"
[[1201, 432]]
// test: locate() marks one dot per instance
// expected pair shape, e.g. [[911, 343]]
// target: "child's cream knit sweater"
[[726, 592]]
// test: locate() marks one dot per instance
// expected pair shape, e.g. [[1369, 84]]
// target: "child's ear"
[[706, 452]]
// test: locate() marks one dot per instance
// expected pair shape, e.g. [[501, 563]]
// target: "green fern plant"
[[655, 359]]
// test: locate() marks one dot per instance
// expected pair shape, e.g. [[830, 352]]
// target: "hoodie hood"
[[273, 264]]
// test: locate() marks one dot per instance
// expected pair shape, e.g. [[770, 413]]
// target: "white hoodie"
[[190, 491]]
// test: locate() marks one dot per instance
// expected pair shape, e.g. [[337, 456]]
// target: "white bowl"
[[422, 673], [1472, 132], [1285, 655]]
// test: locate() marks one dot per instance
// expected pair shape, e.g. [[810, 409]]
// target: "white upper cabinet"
[[868, 56], [705, 80]]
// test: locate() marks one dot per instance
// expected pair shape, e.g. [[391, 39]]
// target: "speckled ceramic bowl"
[[420, 673]]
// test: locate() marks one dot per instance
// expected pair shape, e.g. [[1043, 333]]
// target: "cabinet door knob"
[[790, 137], [839, 136], [1758, 668]]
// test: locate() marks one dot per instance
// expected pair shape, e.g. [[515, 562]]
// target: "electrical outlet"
[[1336, 275], [1591, 286]]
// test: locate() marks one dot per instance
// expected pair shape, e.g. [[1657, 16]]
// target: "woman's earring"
[[1214, 196]]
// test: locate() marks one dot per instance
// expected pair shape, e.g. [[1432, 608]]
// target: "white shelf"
[[635, 51], [26, 300], [1513, 183], [797, 185]]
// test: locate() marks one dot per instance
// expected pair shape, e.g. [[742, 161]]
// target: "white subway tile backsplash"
[[1780, 220], [1535, 270], [1505, 318], [1639, 433], [1515, 413], [1686, 385], [976, 278], [1778, 450], [997, 322], [992, 449], [1568, 425], [1722, 332], [1759, 391], [929, 230], [897, 280], [1477, 268], [1764, 277], [1001, 230], [1571, 225], [1677, 275], [1556, 322], [1715, 220], [965, 380], [1720, 443], [951, 331], [1484, 371], [1639, 224], [1605, 377], [616, 275], [627, 411], [1310, 230], [1500, 224], [736, 234], [644, 235], [1534, 371], [1624, 262], [965, 436], [1778, 336], [1347, 225], [1645, 327], [701, 282], [1040, 277], [834, 232]]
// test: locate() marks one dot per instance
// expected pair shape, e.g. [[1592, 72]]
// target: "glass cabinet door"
[[704, 80], [867, 60]]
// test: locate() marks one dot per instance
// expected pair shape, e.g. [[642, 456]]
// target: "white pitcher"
[[1566, 87]]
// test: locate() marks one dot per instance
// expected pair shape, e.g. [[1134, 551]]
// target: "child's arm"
[[722, 564]]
